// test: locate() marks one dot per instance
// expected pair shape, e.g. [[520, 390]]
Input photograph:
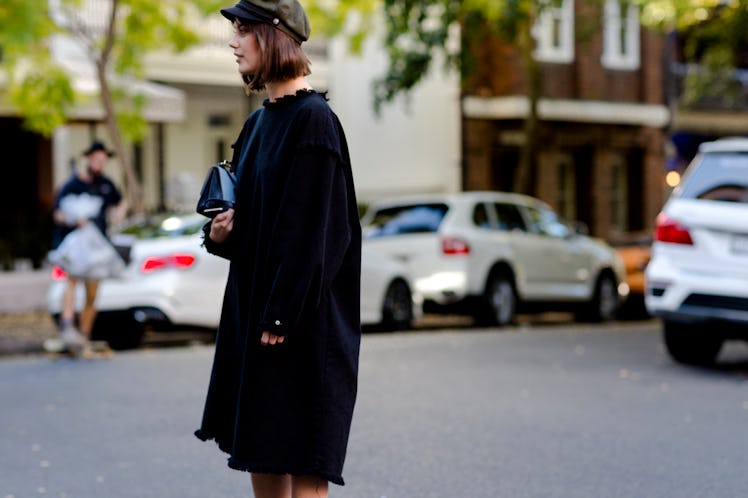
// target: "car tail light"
[[669, 230], [454, 246], [177, 261], [58, 273]]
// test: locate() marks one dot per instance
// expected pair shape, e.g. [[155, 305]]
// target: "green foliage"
[[671, 15], [129, 107], [44, 96], [352, 17], [146, 26], [23, 24], [715, 43], [712, 79], [416, 30], [422, 31]]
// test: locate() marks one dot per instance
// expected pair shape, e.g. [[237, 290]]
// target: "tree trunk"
[[133, 190], [525, 168]]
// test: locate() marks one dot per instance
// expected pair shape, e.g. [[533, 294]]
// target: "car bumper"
[[444, 287], [691, 297], [154, 303]]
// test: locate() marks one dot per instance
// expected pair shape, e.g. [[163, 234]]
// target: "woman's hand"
[[221, 226], [269, 339]]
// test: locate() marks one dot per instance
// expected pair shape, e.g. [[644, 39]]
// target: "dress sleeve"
[[309, 238], [222, 250]]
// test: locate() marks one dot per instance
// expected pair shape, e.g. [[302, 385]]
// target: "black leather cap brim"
[[246, 12]]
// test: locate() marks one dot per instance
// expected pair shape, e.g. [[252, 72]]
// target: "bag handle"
[[225, 164]]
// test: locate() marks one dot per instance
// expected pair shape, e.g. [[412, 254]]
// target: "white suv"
[[489, 252], [697, 279]]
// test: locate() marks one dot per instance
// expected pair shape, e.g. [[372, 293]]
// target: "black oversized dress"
[[295, 253]]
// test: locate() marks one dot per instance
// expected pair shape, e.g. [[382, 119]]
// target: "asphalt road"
[[548, 411]]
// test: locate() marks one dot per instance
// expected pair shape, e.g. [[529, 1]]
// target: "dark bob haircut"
[[281, 57]]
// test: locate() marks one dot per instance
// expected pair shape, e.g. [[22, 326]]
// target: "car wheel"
[[120, 332], [690, 344], [604, 304], [500, 300], [397, 310]]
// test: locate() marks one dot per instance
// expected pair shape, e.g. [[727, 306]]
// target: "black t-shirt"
[[101, 187]]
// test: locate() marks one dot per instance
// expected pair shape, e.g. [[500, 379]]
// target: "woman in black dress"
[[284, 377]]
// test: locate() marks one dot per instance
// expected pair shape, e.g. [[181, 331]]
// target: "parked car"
[[171, 281], [488, 253], [697, 280], [635, 252]]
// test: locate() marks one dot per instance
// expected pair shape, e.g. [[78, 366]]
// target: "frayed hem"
[[243, 466], [203, 436]]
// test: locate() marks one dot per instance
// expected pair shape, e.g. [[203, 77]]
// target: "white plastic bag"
[[77, 207], [86, 253]]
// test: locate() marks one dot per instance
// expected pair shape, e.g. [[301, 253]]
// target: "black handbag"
[[219, 190]]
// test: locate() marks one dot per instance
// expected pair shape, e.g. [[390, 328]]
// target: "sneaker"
[[54, 345], [73, 340]]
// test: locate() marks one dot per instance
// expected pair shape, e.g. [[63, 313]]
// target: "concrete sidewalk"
[[23, 291], [24, 321]]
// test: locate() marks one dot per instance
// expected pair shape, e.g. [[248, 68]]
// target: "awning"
[[163, 103]]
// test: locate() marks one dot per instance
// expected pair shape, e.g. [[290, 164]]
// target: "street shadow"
[[733, 358], [153, 339], [731, 361]]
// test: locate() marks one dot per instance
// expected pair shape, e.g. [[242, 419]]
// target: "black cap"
[[97, 146], [286, 15]]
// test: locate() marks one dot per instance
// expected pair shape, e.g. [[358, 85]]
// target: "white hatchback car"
[[172, 281], [697, 279], [486, 253]]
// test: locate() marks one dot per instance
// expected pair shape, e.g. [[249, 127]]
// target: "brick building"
[[602, 109]]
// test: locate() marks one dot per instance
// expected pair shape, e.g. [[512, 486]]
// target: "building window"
[[554, 33], [621, 35]]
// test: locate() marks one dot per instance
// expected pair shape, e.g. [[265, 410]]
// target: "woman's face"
[[246, 48]]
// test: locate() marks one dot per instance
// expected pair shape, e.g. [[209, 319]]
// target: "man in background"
[[91, 181]]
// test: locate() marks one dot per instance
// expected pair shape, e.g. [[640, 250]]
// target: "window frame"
[[621, 37], [551, 44]]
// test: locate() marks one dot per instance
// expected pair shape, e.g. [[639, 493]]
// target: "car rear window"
[[718, 176], [399, 220]]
